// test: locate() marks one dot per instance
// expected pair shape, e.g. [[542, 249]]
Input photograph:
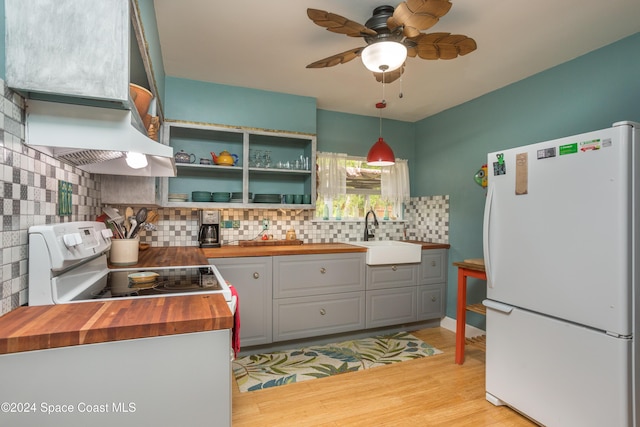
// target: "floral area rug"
[[260, 371]]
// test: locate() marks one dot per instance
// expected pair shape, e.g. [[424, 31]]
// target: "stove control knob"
[[71, 240]]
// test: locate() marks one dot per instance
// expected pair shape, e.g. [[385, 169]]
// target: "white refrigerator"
[[561, 246]]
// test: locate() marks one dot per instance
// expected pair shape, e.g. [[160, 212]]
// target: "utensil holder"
[[124, 251]]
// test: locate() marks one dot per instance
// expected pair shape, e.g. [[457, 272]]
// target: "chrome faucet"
[[367, 233]]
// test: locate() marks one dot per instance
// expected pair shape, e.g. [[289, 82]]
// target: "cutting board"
[[269, 242]]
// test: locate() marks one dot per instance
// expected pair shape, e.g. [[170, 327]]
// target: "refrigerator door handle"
[[498, 306], [485, 234]]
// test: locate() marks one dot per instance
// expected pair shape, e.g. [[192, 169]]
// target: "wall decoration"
[[65, 193], [481, 176]]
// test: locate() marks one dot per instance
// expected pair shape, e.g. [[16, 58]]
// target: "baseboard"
[[469, 331]]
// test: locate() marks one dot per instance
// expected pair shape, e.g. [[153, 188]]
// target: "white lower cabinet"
[[318, 295], [391, 294], [391, 307], [431, 300], [252, 278], [304, 317], [432, 284], [291, 297]]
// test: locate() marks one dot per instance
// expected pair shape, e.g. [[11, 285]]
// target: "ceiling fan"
[[394, 32]]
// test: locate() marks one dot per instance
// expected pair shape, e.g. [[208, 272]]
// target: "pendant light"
[[380, 154]]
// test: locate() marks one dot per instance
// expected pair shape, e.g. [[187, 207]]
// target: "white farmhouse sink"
[[390, 252]]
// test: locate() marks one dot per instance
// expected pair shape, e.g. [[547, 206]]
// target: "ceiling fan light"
[[384, 56], [381, 154]]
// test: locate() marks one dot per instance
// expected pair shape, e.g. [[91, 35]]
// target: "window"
[[363, 191]]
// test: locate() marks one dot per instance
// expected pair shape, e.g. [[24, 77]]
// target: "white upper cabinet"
[[77, 48]]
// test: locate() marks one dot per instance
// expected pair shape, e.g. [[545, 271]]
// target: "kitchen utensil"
[[152, 217], [141, 217], [183, 157], [128, 213], [113, 214], [134, 224]]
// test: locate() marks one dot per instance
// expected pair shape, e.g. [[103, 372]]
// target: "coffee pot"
[[209, 233]]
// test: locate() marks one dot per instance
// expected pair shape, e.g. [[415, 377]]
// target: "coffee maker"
[[209, 234]]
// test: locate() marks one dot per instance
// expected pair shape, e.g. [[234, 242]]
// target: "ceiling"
[[268, 45]]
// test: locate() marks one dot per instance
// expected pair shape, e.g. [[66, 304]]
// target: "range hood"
[[94, 139]]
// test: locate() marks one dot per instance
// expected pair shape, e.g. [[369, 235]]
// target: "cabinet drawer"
[[433, 266], [306, 275], [253, 281], [391, 307], [313, 316], [392, 276], [431, 299]]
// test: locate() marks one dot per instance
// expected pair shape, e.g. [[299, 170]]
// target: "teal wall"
[[354, 134], [150, 25], [588, 93], [198, 101]]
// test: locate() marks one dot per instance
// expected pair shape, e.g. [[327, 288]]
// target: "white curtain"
[[332, 175], [395, 182]]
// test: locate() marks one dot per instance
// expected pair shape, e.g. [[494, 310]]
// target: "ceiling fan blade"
[[339, 58], [418, 15], [339, 24], [390, 76], [443, 45]]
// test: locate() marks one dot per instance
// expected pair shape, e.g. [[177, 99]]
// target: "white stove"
[[68, 264]]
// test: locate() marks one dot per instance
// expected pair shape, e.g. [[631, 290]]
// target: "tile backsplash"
[[30, 181], [30, 197], [427, 219]]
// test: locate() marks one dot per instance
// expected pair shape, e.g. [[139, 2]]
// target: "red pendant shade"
[[381, 154]]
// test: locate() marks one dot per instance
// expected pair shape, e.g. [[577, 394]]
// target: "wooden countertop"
[[304, 249], [231, 251], [192, 255], [64, 325]]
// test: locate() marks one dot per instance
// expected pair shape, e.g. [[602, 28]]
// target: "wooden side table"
[[467, 268]]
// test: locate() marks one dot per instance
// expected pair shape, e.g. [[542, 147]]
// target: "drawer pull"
[[256, 275], [394, 268], [433, 299], [323, 311], [323, 270], [433, 263]]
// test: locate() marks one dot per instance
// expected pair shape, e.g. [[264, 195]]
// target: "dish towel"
[[235, 333]]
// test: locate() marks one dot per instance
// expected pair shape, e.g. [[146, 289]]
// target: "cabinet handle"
[[433, 299], [256, 275], [433, 263], [323, 270], [323, 311], [394, 268]]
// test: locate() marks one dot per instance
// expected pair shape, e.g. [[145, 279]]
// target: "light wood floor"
[[432, 391]]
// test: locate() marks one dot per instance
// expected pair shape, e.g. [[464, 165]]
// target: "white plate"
[[143, 277]]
